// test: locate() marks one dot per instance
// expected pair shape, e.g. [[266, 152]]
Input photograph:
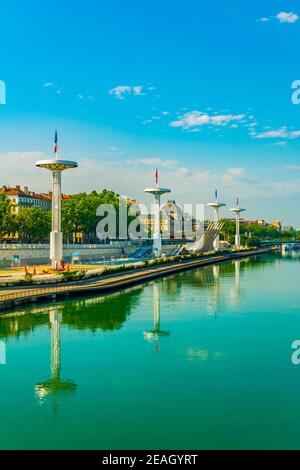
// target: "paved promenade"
[[13, 297]]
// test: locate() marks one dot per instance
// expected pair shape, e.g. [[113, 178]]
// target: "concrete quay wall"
[[35, 255]]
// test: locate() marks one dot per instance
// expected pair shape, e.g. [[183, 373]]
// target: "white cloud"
[[88, 97], [284, 17], [236, 171], [122, 91], [138, 90], [292, 167], [196, 119], [154, 162], [234, 174], [282, 133], [131, 177], [282, 143], [20, 170], [51, 85]]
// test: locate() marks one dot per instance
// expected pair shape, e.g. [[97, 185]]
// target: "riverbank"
[[197, 344], [19, 296]]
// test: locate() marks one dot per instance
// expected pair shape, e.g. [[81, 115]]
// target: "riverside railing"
[[44, 291], [38, 292], [41, 246]]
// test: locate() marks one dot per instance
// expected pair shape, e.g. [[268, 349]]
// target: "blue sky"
[[201, 90]]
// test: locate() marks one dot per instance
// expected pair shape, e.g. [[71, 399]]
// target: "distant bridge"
[[278, 242]]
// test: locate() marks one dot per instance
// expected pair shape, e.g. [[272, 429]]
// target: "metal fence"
[[43, 291], [41, 246]]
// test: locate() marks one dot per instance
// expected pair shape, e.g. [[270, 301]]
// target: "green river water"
[[201, 360]]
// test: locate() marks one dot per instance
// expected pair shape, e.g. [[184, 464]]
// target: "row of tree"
[[79, 216], [251, 235], [29, 224]]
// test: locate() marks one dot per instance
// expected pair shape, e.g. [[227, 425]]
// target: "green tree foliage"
[[33, 225], [266, 232], [7, 218], [253, 242], [255, 230], [229, 229], [79, 213]]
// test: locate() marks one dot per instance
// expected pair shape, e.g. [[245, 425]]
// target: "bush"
[[73, 276], [27, 281], [253, 242]]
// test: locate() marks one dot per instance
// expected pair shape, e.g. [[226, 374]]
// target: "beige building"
[[172, 222], [20, 198]]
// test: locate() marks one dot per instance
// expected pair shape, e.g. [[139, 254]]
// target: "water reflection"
[[226, 362], [107, 313], [56, 385], [214, 286], [291, 254], [235, 290], [153, 335], [214, 297]]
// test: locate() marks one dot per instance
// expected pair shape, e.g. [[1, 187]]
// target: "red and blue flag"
[[55, 143]]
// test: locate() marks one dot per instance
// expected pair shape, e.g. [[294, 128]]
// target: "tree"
[[7, 218], [228, 230], [33, 225], [79, 213], [253, 242]]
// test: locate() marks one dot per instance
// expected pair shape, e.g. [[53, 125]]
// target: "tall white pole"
[[216, 207], [237, 210], [237, 236], [157, 239], [56, 237], [217, 239], [157, 192]]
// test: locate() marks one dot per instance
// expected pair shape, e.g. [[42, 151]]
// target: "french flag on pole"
[[55, 143], [156, 177]]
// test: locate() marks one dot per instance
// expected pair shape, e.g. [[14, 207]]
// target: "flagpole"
[[56, 145]]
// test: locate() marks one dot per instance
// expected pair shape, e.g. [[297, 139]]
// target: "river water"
[[201, 360]]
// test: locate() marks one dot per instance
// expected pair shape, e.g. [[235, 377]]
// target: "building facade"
[[21, 198]]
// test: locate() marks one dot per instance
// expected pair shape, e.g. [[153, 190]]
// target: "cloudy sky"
[[201, 90]]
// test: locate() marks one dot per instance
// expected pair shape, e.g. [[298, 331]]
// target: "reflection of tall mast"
[[214, 291], [237, 274], [55, 385], [216, 272], [156, 333], [235, 291]]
